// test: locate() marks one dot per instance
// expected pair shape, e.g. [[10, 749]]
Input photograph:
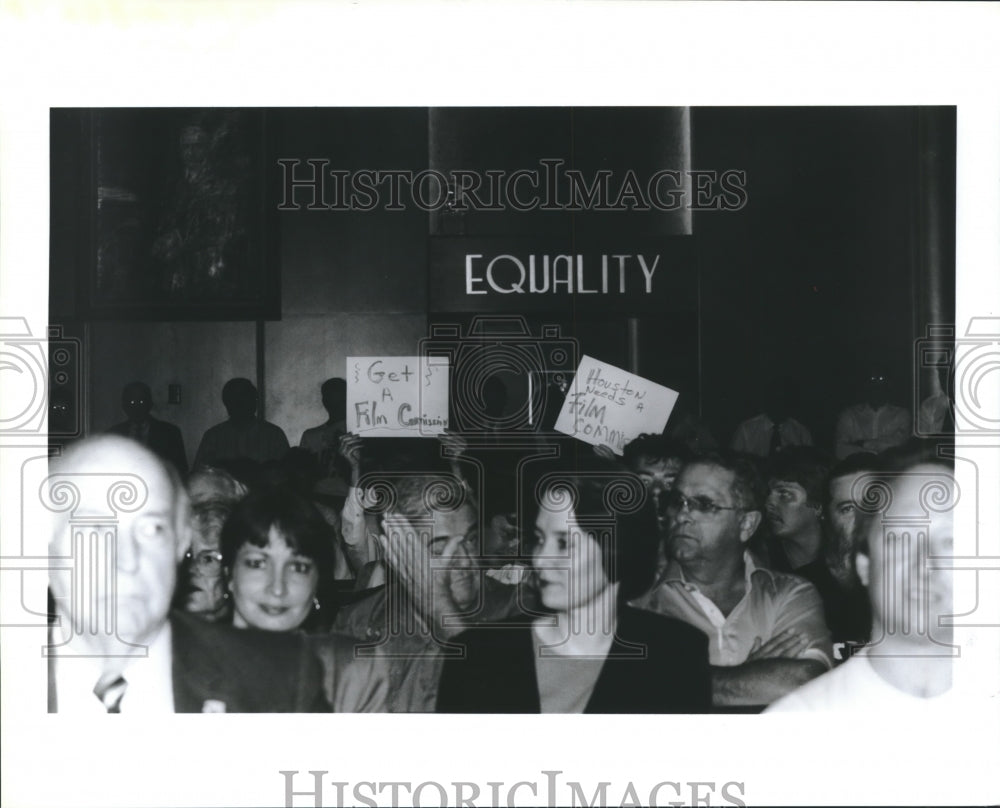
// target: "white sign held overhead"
[[610, 406], [397, 396]]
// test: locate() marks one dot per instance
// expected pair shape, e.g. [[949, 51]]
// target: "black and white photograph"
[[501, 426]]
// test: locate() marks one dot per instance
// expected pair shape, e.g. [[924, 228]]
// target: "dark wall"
[[818, 275], [822, 272], [352, 283]]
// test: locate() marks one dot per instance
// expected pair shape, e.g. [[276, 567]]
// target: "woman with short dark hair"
[[594, 548], [277, 551]]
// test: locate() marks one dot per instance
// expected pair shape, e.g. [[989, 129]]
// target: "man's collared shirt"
[[880, 429], [773, 602], [754, 435], [150, 684]]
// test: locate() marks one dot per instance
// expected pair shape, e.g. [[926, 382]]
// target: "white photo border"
[[442, 54]]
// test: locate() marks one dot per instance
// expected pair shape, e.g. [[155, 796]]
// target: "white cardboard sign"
[[610, 406], [397, 396]]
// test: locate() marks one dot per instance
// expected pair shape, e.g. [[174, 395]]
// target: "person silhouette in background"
[[774, 429], [244, 435], [162, 438], [874, 425], [323, 441]]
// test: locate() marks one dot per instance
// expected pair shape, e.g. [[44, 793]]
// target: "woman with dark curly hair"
[[594, 548]]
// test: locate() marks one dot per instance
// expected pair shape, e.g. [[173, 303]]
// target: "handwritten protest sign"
[[397, 396], [610, 406]]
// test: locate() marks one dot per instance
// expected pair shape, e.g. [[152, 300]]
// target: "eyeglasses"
[[701, 506], [207, 562]]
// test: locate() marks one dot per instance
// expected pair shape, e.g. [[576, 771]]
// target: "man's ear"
[[184, 537], [863, 565], [749, 523], [182, 524]]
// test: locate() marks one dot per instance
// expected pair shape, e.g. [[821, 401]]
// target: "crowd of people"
[[419, 575]]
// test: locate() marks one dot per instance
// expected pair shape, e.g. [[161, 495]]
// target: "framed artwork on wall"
[[181, 226]]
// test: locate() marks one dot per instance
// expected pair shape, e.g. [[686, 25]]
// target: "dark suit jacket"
[[165, 441], [219, 668], [246, 670], [498, 673]]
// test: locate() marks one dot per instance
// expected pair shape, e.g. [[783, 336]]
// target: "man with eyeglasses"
[[201, 589], [767, 635]]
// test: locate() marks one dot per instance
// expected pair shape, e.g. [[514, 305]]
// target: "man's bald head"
[[119, 499], [116, 455]]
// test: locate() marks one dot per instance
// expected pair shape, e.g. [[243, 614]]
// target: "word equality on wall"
[[522, 274]]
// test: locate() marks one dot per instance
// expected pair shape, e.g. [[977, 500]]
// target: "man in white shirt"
[[874, 425], [907, 666], [773, 430], [766, 629], [123, 522]]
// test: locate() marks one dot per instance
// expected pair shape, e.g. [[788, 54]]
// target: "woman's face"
[[273, 587], [568, 560]]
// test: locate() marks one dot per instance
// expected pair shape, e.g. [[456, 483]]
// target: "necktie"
[[110, 689], [140, 432], [775, 440]]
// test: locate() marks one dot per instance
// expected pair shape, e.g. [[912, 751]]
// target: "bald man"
[[123, 521]]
